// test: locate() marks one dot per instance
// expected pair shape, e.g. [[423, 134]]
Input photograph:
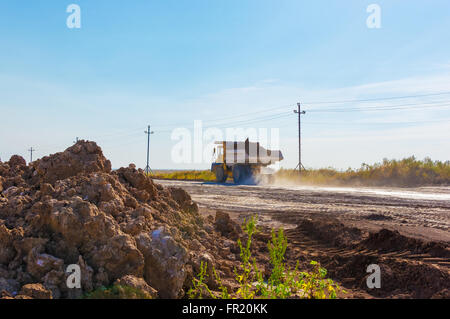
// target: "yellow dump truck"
[[241, 161]]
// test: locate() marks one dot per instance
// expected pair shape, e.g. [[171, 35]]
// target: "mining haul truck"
[[241, 160]]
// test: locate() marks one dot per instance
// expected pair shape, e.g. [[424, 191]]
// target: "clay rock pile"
[[117, 226]]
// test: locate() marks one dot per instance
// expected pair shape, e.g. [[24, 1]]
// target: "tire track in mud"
[[408, 275], [410, 268]]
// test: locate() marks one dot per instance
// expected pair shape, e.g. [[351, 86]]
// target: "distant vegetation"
[[205, 175], [407, 172]]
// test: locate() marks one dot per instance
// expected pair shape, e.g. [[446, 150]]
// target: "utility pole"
[[31, 150], [148, 132], [299, 165]]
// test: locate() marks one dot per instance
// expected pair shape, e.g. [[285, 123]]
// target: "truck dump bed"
[[247, 153]]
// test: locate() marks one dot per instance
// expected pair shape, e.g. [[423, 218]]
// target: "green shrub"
[[283, 282]]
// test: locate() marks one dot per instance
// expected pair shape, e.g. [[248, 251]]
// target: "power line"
[[244, 122], [233, 116], [312, 103], [380, 123], [381, 99], [255, 120], [220, 121], [285, 115], [386, 107], [226, 121]]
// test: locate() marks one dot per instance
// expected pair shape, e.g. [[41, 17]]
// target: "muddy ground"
[[405, 232]]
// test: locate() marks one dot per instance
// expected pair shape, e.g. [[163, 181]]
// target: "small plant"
[[277, 249], [314, 284], [283, 281], [199, 287], [243, 276]]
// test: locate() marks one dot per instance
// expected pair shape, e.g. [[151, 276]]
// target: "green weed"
[[283, 282]]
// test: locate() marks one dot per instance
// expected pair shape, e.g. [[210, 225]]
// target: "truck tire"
[[238, 174], [221, 177], [250, 177]]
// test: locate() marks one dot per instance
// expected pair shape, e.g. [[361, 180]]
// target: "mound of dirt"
[[378, 217], [387, 240], [401, 277], [79, 158], [331, 231], [226, 226], [117, 226]]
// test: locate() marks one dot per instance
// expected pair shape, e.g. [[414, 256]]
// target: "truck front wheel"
[[221, 176]]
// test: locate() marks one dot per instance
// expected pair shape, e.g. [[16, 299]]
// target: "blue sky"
[[167, 63]]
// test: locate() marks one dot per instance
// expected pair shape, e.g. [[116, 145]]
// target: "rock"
[[22, 297], [11, 286], [86, 275], [55, 282], [118, 257], [165, 261], [47, 189], [226, 226], [197, 258], [12, 191], [137, 283], [98, 237], [138, 181], [40, 264], [135, 226], [17, 161], [7, 251], [23, 246], [183, 199], [5, 295], [36, 291], [101, 278], [83, 157]]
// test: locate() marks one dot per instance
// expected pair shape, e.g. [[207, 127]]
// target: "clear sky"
[[233, 63]]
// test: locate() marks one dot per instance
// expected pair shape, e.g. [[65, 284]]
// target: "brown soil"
[[118, 226], [410, 268]]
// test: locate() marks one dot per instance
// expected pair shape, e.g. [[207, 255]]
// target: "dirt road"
[[421, 213], [406, 232]]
